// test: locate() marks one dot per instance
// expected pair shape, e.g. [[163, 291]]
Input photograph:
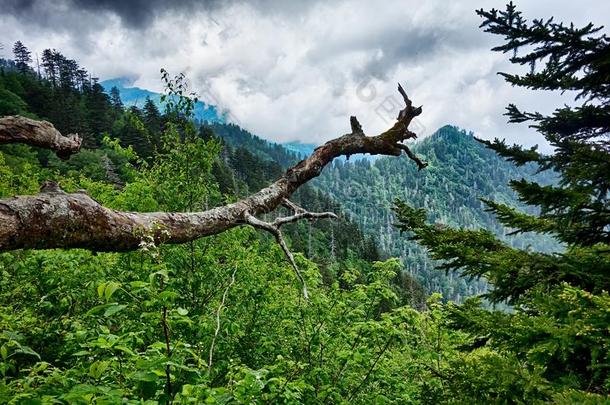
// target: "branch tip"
[[403, 93], [420, 164], [356, 127]]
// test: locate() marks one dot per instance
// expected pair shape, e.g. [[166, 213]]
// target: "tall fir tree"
[[23, 57], [99, 116], [115, 100], [558, 329], [152, 116]]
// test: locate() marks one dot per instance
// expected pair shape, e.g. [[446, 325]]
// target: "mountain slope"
[[460, 172], [238, 137]]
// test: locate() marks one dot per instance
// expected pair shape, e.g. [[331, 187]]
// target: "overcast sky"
[[289, 70]]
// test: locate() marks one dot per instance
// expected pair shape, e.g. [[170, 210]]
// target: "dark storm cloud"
[[17, 6], [133, 13], [137, 14]]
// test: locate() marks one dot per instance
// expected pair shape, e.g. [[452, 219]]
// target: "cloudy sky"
[[289, 70]]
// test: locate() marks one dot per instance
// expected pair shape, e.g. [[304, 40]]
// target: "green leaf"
[[147, 376], [81, 353], [100, 290], [168, 295], [98, 368], [138, 284], [111, 287], [26, 350], [125, 349], [114, 309], [99, 308]]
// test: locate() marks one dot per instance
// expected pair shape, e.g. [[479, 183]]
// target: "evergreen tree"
[[99, 113], [132, 132], [115, 99], [558, 330], [152, 117], [23, 57], [48, 64]]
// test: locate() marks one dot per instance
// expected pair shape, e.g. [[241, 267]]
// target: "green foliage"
[[10, 103], [222, 319]]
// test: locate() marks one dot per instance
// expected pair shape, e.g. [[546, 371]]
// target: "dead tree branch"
[[274, 229], [18, 129], [55, 219]]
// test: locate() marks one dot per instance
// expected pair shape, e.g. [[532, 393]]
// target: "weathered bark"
[[18, 129], [55, 219]]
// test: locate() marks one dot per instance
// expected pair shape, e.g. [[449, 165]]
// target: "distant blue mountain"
[[131, 95], [301, 149]]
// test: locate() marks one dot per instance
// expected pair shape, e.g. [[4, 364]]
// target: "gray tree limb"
[[56, 219], [18, 129]]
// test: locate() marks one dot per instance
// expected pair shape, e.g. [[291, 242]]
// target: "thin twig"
[[370, 370], [222, 303]]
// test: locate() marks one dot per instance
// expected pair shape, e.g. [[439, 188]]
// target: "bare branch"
[[408, 110], [403, 93], [413, 156], [292, 206], [55, 219], [356, 127], [302, 215], [275, 231], [18, 129], [299, 213]]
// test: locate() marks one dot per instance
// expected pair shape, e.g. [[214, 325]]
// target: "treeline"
[[65, 94]]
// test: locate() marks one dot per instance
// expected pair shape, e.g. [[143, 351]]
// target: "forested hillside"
[[460, 172]]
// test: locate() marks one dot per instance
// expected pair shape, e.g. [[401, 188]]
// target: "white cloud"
[[291, 71]]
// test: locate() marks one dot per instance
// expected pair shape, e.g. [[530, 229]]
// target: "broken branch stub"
[[18, 129]]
